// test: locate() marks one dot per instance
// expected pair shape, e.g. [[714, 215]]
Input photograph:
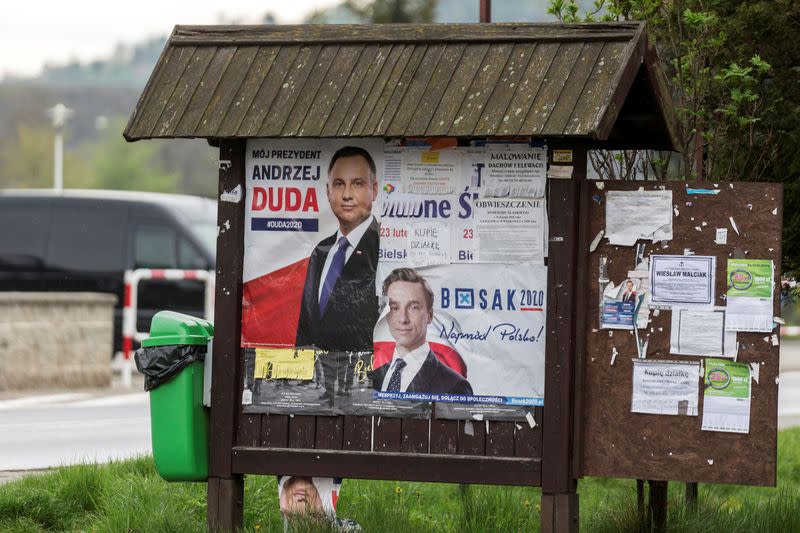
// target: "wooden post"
[[226, 490], [559, 486], [657, 505], [486, 11], [690, 496]]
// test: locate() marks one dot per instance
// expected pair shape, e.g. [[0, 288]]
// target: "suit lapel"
[[422, 381]]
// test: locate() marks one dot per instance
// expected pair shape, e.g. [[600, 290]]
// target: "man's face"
[[351, 191], [409, 315], [299, 495], [629, 286]]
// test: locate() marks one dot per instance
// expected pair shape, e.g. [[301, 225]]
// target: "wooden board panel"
[[444, 436], [435, 93], [527, 439], [389, 465], [481, 89], [500, 439], [261, 103], [184, 89], [359, 83], [619, 443], [305, 99], [173, 63], [564, 109], [394, 90], [330, 430], [414, 437], [197, 105], [387, 434], [384, 83], [257, 72], [471, 437], [334, 83], [357, 433], [302, 431], [274, 431], [226, 90], [552, 85], [495, 111], [293, 85], [445, 113], [528, 88]]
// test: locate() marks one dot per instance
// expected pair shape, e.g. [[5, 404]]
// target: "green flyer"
[[750, 277], [726, 398], [749, 296]]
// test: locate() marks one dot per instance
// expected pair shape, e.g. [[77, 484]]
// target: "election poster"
[[328, 224]]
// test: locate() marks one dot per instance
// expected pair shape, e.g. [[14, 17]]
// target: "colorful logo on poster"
[[740, 279], [389, 188], [718, 378]]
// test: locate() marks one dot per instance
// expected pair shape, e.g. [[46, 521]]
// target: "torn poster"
[[510, 230], [634, 215], [726, 401], [431, 172], [682, 281], [621, 303], [665, 387], [514, 170], [701, 332], [750, 287]]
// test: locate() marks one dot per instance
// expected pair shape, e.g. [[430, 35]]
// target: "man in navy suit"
[[340, 307], [414, 367]]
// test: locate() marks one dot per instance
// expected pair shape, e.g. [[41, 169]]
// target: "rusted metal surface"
[[467, 80]]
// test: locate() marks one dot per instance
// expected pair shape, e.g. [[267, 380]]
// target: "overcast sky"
[[35, 32]]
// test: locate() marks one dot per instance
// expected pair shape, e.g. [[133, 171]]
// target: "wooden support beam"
[[225, 489]]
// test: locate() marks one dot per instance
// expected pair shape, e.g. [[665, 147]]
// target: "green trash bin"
[[175, 352]]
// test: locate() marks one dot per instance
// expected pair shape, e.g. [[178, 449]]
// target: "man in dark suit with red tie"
[[340, 307], [414, 367]]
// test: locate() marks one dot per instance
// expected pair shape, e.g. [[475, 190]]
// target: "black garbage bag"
[[159, 364]]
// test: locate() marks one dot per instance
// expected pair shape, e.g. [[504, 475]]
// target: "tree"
[[26, 160], [716, 87], [118, 164], [376, 12]]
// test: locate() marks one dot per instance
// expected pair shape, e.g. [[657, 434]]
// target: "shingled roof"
[[595, 81]]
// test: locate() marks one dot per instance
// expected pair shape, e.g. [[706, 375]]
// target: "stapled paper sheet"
[[726, 400], [701, 332], [634, 215], [665, 387]]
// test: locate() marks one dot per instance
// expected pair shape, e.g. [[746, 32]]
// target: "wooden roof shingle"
[[458, 80]]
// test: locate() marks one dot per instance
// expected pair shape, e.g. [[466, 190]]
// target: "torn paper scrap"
[[755, 370], [634, 215], [733, 225], [530, 419], [284, 363], [722, 236]]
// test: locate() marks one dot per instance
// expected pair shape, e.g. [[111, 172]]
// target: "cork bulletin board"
[[615, 442]]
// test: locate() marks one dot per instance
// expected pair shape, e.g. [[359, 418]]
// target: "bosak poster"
[[341, 234]]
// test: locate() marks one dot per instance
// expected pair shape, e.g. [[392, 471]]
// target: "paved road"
[[59, 429]]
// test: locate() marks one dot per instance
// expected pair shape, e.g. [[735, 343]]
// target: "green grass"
[[130, 497]]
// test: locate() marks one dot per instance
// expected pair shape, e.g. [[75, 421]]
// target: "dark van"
[[84, 240]]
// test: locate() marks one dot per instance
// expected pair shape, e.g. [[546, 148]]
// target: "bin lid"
[[170, 328]]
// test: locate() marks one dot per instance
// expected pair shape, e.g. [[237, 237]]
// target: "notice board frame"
[[614, 442], [510, 453]]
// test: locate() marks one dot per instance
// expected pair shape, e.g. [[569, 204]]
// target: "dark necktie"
[[335, 270], [394, 381]]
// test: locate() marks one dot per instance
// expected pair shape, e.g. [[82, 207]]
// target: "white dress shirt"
[[353, 238], [414, 361]]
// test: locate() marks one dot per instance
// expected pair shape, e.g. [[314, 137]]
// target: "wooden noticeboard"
[[618, 443]]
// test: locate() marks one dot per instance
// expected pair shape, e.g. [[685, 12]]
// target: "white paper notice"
[[634, 215], [700, 332], [665, 387], [431, 172], [514, 170], [682, 281], [509, 230], [429, 243]]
